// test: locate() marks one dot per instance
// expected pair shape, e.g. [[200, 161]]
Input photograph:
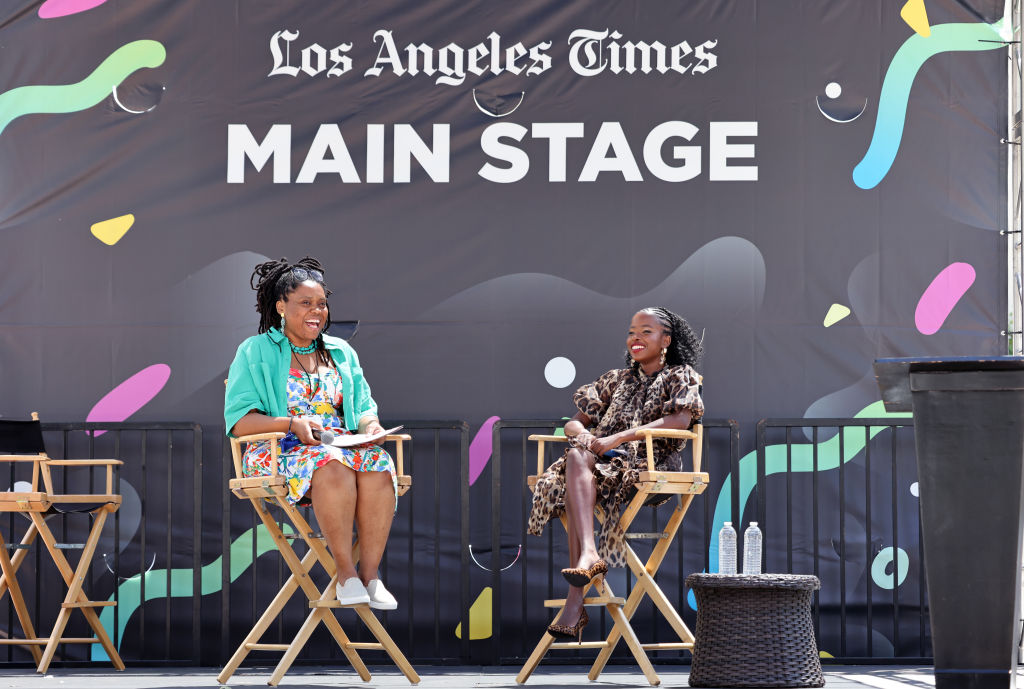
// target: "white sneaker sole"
[[354, 601]]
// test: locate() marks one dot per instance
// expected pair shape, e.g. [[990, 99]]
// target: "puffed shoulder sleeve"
[[240, 394], [593, 398], [682, 391]]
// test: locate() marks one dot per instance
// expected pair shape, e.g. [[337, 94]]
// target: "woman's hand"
[[601, 445], [303, 427], [582, 439], [370, 425]]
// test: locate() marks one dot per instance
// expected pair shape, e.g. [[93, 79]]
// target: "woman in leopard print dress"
[[659, 388]]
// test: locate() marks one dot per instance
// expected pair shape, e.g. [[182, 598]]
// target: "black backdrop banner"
[[495, 188]]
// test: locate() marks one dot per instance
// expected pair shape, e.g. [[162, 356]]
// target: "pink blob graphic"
[[62, 8], [480, 449], [941, 296], [130, 396]]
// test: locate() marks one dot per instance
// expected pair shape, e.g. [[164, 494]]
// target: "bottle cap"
[[753, 523], [728, 524]]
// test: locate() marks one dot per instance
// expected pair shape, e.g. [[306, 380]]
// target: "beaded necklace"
[[303, 350]]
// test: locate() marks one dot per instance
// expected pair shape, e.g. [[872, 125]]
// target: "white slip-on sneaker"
[[352, 592], [380, 597]]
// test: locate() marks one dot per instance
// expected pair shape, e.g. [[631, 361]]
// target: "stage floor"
[[560, 677]]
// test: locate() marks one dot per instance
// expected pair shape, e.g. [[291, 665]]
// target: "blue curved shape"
[[892, 102]]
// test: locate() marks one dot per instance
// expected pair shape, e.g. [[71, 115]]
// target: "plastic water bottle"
[[727, 549], [752, 549]]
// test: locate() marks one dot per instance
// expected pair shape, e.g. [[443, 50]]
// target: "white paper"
[[345, 440]]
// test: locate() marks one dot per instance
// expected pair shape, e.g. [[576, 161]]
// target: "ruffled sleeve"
[[592, 399], [682, 391]]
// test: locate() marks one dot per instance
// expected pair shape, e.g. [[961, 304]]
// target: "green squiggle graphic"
[[181, 582], [26, 100]]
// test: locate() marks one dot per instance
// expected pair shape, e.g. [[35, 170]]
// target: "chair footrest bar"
[[268, 647], [43, 642], [90, 604], [293, 536], [648, 535], [365, 646], [668, 646], [559, 602], [333, 604], [69, 546], [585, 644]]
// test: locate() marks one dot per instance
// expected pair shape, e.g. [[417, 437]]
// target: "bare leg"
[[334, 503], [574, 540], [375, 509], [580, 495]]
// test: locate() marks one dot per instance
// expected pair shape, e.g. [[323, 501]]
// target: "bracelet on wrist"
[[290, 418]]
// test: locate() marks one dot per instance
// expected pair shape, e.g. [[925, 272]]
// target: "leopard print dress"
[[619, 400]]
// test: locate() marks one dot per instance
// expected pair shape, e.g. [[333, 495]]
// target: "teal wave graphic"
[[128, 593], [802, 460], [892, 102], [26, 100]]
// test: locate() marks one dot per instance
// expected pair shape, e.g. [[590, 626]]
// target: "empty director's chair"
[[684, 485], [264, 491], [24, 441]]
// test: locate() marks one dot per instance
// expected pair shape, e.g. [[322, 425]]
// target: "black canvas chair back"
[[21, 437]]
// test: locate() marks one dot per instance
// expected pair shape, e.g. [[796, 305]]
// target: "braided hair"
[[684, 349], [275, 280]]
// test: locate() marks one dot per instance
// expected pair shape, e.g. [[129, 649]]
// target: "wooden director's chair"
[[24, 439], [685, 485], [263, 491]]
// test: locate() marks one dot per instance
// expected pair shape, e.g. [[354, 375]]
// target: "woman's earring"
[[282, 322], [663, 351]]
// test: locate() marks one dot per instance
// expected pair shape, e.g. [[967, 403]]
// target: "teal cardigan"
[[258, 378]]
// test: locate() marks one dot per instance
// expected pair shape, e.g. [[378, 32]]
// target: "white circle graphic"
[[914, 490], [833, 90], [559, 372]]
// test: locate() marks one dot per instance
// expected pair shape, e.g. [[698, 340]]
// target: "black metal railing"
[[837, 498], [186, 563]]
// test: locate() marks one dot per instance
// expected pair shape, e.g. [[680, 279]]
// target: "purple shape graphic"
[[133, 394], [941, 296], [52, 9], [480, 449]]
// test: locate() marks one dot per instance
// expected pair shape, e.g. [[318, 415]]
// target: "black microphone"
[[326, 436]]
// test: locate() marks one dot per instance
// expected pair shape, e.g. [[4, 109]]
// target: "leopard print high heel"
[[564, 631], [581, 576]]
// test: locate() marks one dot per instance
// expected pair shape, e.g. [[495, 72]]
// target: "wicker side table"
[[754, 631]]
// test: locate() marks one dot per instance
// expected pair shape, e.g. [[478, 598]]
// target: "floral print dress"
[[319, 396], [619, 400]]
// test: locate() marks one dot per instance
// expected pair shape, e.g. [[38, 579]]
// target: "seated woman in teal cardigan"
[[293, 378]]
